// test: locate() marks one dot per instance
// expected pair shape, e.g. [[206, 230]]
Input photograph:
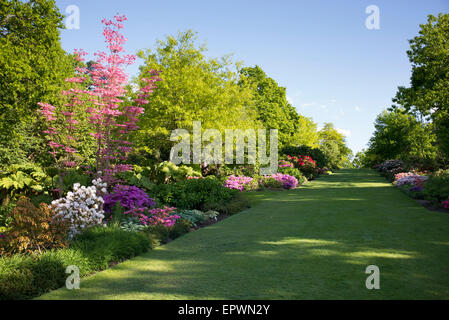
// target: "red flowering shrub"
[[304, 163]]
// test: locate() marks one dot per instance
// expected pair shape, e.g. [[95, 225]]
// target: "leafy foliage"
[[194, 193], [23, 277], [333, 145], [429, 91], [399, 135], [33, 68], [274, 111], [194, 87], [34, 229], [437, 186]]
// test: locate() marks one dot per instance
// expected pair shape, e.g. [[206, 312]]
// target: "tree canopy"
[[428, 93], [33, 67], [193, 88]]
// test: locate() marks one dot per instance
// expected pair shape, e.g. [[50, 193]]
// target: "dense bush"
[[305, 164], [437, 186], [194, 193], [390, 168], [33, 229], [129, 197], [95, 249], [295, 173], [241, 183], [83, 207], [288, 182], [238, 203], [270, 182], [316, 154]]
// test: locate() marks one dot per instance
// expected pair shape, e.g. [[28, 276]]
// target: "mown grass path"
[[310, 243]]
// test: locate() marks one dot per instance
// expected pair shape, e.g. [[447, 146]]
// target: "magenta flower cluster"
[[446, 203], [130, 197], [289, 182], [237, 182], [153, 217]]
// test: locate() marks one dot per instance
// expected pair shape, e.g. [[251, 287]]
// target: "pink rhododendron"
[[157, 216]]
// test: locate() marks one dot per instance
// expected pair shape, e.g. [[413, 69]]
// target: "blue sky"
[[334, 68]]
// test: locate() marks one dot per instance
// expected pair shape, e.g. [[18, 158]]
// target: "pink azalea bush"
[[154, 217], [237, 182]]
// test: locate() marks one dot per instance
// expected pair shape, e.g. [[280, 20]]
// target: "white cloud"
[[346, 133], [357, 108]]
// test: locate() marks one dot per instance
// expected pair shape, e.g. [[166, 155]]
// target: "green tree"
[[306, 133], [333, 145], [399, 135], [193, 88], [33, 67], [428, 93], [274, 111]]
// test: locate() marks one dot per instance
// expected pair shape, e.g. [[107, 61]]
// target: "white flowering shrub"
[[83, 207]]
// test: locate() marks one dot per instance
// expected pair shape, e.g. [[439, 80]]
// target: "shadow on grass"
[[314, 242]]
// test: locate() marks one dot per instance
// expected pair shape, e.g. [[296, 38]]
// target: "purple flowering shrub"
[[288, 182], [130, 197]]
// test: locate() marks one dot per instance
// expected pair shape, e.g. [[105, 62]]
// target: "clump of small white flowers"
[[83, 207]]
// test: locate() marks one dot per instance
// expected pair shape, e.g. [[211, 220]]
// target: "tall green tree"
[[333, 145], [273, 109], [399, 135], [193, 88], [428, 93], [306, 133], [33, 67]]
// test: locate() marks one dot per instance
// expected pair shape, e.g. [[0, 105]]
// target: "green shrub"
[[16, 277], [168, 172], [95, 249], [194, 193], [106, 245], [180, 228], [437, 186], [318, 155], [238, 203], [271, 183], [193, 217]]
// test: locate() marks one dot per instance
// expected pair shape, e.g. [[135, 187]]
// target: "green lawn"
[[310, 243]]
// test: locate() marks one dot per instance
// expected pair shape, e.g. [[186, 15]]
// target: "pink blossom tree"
[[111, 119]]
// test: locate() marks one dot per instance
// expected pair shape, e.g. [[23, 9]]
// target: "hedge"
[[24, 277]]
